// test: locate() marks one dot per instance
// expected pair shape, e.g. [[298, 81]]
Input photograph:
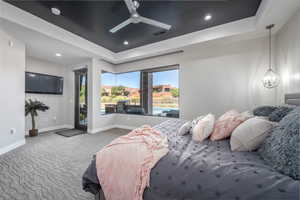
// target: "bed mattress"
[[207, 170]]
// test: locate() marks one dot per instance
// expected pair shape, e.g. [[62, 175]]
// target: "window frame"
[[146, 88]]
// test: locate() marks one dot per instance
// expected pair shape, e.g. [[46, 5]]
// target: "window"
[[119, 90], [165, 94], [147, 92], [160, 91]]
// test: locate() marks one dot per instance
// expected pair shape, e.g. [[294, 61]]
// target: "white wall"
[[217, 76], [12, 97], [96, 121], [288, 57], [224, 77], [61, 112], [99, 122], [56, 117]]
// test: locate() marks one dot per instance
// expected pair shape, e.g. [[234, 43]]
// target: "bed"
[[208, 170]]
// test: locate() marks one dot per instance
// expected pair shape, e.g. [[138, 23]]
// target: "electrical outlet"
[[10, 43], [12, 131]]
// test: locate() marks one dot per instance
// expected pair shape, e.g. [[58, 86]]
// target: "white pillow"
[[188, 126], [185, 128], [250, 134], [195, 121], [203, 128]]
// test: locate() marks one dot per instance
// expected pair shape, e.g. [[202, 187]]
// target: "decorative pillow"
[[248, 114], [282, 148], [280, 113], [264, 110], [226, 124], [203, 128], [250, 134], [188, 126], [195, 121], [185, 128]]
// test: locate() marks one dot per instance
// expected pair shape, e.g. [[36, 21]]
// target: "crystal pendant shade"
[[271, 79]]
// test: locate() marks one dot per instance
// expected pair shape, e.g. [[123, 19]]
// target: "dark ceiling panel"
[[92, 20]]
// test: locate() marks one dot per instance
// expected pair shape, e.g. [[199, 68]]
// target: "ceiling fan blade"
[[120, 26], [130, 6], [154, 23]]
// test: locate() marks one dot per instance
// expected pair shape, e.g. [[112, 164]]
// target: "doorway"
[[81, 97]]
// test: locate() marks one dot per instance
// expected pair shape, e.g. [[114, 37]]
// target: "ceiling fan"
[[135, 18]]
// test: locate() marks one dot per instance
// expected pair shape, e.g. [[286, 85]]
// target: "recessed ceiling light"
[[58, 55], [125, 42], [55, 11], [207, 17]]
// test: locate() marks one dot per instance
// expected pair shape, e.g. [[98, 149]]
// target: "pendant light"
[[271, 78]]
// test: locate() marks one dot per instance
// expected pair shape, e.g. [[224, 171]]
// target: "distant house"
[[132, 91], [107, 90], [162, 88], [158, 91], [162, 91]]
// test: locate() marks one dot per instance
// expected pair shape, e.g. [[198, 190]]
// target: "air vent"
[[159, 33]]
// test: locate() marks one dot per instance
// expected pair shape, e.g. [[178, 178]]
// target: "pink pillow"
[[226, 124]]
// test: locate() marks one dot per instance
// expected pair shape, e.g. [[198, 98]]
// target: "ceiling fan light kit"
[[55, 11], [125, 42], [135, 18]]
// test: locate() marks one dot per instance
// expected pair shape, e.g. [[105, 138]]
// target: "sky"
[[132, 79]]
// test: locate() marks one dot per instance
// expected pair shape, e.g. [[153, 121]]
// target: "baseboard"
[[93, 131], [12, 146], [53, 128], [68, 126]]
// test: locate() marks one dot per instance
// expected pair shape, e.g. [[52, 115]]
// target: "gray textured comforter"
[[206, 171]]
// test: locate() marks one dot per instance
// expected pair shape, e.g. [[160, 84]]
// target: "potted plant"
[[31, 107]]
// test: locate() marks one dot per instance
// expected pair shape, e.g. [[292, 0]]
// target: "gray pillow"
[[264, 111], [282, 148], [279, 113]]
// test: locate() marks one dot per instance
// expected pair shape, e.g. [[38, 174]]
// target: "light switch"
[[12, 131]]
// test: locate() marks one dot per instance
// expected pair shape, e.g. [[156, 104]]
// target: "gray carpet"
[[50, 166]]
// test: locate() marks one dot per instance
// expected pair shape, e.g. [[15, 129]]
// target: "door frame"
[[77, 73]]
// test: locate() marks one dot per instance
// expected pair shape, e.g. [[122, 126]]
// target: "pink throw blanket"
[[124, 166]]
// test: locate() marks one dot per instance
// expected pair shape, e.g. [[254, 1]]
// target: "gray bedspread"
[[206, 171]]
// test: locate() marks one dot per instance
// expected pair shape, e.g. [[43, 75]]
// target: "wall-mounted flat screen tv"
[[43, 83]]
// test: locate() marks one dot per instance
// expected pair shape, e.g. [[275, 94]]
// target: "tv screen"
[[43, 84]]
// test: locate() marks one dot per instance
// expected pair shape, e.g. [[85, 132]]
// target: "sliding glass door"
[[81, 93]]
